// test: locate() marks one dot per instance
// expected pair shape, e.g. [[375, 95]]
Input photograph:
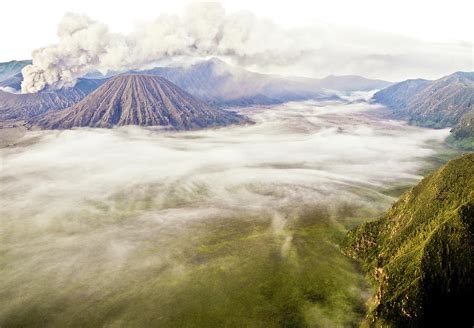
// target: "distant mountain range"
[[446, 102], [139, 100], [421, 253], [225, 85], [213, 81]]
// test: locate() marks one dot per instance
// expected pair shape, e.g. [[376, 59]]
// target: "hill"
[[139, 100], [446, 102], [14, 106], [420, 255], [11, 68]]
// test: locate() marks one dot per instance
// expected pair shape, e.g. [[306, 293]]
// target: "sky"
[[428, 38]]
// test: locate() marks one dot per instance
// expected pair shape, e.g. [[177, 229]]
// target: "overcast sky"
[[415, 38]]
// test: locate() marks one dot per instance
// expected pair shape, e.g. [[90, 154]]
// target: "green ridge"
[[420, 254]]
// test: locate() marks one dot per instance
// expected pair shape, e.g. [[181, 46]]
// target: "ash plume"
[[203, 30], [206, 29]]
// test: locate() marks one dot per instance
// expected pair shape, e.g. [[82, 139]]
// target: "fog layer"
[[133, 226]]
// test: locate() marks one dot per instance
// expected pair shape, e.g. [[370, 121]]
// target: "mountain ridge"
[[222, 84], [420, 254], [446, 102]]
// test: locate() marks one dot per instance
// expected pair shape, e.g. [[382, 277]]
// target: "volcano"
[[139, 100]]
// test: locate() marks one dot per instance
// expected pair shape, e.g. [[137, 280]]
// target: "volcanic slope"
[[139, 100]]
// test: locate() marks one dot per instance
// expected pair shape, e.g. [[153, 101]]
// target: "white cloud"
[[9, 90]]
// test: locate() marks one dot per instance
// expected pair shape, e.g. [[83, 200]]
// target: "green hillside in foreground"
[[420, 255]]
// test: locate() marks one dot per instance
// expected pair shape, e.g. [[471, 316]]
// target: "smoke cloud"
[[206, 29], [86, 45]]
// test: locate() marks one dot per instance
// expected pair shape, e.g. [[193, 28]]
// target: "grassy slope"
[[420, 254]]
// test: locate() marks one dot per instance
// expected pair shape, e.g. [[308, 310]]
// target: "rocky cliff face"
[[139, 100], [421, 253]]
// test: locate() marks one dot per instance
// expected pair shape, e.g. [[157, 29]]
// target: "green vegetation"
[[442, 155], [420, 255], [170, 253], [243, 271], [463, 133], [466, 143]]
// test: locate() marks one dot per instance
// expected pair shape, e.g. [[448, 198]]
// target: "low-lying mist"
[[237, 225]]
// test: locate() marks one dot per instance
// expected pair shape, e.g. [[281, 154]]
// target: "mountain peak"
[[469, 75], [463, 77], [139, 99]]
